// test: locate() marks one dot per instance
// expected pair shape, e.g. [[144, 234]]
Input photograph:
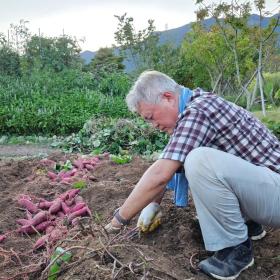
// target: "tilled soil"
[[171, 252]]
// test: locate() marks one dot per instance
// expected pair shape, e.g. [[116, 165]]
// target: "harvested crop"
[[27, 204], [56, 206], [79, 213], [41, 242], [2, 237]]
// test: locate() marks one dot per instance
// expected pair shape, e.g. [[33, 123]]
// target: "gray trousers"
[[228, 190]]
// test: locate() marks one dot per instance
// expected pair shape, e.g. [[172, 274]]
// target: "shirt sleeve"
[[193, 130]]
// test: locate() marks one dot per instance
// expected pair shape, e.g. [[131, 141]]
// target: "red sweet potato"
[[65, 208], [2, 237], [43, 226], [26, 229], [52, 175], [78, 163], [39, 218], [60, 214], [77, 207], [44, 204], [41, 242], [69, 202], [23, 222], [79, 213], [56, 206], [55, 235], [49, 229], [89, 167], [29, 205], [72, 193]]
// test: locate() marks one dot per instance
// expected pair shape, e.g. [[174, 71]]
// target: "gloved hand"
[[150, 217]]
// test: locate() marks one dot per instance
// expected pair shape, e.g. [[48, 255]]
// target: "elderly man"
[[230, 159]]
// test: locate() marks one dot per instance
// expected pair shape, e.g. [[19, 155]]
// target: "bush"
[[46, 103]]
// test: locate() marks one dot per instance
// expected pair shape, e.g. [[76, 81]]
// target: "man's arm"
[[150, 187]]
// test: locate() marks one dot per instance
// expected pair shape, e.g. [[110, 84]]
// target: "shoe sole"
[[258, 237], [234, 276]]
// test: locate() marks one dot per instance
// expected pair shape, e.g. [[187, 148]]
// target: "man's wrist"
[[122, 221]]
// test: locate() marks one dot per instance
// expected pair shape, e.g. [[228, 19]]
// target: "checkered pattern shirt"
[[210, 121]]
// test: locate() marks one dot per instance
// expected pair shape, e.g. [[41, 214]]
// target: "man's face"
[[162, 115]]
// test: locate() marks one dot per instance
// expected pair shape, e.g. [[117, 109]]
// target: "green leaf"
[[80, 184], [121, 159]]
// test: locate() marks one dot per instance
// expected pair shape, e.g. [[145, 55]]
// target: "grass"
[[271, 114]]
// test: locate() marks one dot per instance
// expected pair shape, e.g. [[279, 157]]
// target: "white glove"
[[150, 217]]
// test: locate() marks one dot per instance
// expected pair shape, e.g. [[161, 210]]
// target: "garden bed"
[[171, 252]]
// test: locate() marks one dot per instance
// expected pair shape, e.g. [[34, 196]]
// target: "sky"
[[93, 20]]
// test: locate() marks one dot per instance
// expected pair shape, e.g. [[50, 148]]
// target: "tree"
[[105, 61], [135, 45], [56, 53], [143, 47], [234, 17]]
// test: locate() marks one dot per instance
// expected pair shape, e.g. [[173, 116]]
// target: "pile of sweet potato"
[[81, 166], [49, 217]]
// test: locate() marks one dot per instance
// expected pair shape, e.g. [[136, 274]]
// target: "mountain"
[[176, 36]]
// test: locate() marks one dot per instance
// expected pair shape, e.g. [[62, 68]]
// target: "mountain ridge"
[[177, 34]]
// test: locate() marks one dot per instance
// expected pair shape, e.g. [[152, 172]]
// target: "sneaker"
[[255, 230], [228, 263]]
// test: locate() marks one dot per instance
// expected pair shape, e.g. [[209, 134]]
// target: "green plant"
[[121, 159]]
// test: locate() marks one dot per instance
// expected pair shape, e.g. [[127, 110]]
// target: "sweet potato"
[[78, 163], [23, 222], [69, 202], [2, 237], [77, 207], [28, 229], [43, 226], [29, 205], [39, 218], [79, 213], [65, 208], [49, 229], [56, 206], [60, 214], [44, 204], [89, 167], [55, 235], [72, 193], [52, 175], [41, 242]]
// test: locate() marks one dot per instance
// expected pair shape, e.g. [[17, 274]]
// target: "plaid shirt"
[[211, 121]]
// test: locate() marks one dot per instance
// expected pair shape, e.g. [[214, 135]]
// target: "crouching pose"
[[230, 160]]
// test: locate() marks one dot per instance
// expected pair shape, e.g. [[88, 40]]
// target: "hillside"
[[176, 36]]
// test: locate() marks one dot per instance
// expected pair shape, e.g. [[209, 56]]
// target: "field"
[[171, 252]]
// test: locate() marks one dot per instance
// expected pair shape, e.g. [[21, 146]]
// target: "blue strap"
[[178, 182]]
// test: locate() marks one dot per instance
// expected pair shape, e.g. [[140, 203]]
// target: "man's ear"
[[169, 96]]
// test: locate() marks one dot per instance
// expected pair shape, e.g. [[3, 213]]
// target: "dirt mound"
[[171, 252]]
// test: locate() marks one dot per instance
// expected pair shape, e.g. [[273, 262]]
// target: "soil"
[[171, 252]]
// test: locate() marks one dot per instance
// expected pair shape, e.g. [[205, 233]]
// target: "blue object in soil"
[[179, 183]]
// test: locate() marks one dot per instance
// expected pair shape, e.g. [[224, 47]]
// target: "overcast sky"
[[94, 20]]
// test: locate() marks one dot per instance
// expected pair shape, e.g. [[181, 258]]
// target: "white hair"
[[149, 86]]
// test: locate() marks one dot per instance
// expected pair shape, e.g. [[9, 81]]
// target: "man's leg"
[[225, 188]]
